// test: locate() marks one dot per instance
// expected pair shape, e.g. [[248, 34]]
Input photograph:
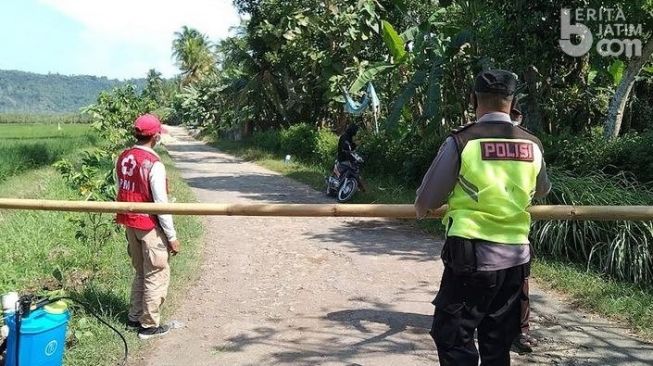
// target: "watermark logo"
[[616, 36], [51, 348]]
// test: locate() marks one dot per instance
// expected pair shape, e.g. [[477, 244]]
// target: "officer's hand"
[[174, 246]]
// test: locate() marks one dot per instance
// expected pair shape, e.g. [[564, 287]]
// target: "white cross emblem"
[[128, 165]]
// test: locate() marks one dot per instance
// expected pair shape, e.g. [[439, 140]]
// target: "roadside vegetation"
[[26, 147], [81, 254]]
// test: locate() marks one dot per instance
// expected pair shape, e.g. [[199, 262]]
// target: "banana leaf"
[[393, 41], [405, 97], [369, 75], [433, 96]]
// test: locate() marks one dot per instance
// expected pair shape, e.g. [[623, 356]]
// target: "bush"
[[579, 154], [326, 148], [406, 158], [375, 150], [165, 114], [299, 141], [584, 155], [420, 157], [634, 154], [269, 140], [621, 249]]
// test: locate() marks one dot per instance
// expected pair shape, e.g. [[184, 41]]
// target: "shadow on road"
[[383, 237], [186, 154], [376, 329], [396, 322], [260, 187]]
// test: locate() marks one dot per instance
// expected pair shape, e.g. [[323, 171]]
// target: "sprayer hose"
[[87, 307]]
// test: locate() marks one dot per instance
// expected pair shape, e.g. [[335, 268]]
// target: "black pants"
[[485, 301], [525, 308]]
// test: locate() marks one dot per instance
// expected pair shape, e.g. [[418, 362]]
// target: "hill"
[[26, 92]]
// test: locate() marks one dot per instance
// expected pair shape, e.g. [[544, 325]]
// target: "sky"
[[115, 38]]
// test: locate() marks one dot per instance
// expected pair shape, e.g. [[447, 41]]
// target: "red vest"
[[133, 171]]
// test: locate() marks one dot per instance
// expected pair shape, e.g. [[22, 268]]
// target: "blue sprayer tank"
[[42, 337]]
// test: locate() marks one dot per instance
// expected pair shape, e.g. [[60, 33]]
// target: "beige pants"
[[149, 253]]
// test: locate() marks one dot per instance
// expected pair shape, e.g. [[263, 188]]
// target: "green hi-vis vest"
[[499, 164]]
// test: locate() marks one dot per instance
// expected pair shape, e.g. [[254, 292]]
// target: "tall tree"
[[154, 87], [290, 60], [192, 51], [620, 98], [636, 13]]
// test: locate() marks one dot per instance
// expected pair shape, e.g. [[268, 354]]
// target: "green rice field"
[[26, 147]]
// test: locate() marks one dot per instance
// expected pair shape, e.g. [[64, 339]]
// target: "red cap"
[[148, 125]]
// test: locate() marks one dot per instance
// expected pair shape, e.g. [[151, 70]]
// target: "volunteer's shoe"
[[133, 325], [147, 333], [524, 343]]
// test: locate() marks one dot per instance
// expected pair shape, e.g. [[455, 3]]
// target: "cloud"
[[124, 38]]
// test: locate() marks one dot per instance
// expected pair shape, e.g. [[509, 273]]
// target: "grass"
[[83, 254], [590, 290], [26, 147], [622, 249], [626, 302]]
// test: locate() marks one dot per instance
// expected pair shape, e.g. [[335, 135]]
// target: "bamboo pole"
[[601, 213]]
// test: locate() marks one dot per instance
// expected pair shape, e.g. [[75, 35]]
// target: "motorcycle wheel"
[[329, 190], [347, 190]]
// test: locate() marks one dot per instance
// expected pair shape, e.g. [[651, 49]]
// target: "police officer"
[[487, 172], [524, 342]]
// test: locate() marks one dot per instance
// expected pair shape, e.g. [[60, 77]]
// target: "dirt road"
[[304, 291]]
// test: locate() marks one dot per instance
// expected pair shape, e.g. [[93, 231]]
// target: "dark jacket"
[[346, 144]]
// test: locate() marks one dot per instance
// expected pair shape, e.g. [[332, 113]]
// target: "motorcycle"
[[345, 179]]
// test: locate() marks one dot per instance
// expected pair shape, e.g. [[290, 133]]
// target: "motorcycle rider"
[[346, 146]]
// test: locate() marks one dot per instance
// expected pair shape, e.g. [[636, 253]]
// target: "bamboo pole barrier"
[[600, 213]]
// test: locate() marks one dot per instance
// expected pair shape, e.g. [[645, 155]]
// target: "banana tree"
[[419, 51]]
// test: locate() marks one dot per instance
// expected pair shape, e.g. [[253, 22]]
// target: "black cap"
[[501, 82]]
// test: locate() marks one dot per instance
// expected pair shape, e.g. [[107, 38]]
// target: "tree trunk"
[[247, 129], [620, 98], [531, 107]]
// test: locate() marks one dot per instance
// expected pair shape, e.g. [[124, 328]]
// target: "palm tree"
[[251, 80], [192, 51], [154, 86]]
